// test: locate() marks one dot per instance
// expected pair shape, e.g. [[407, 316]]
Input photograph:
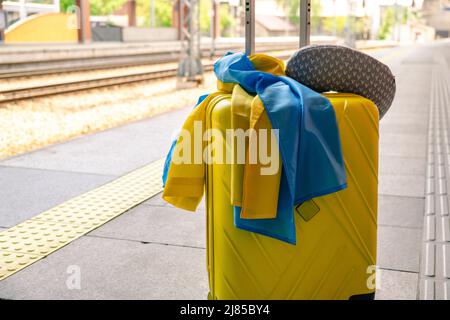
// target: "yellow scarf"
[[257, 194]]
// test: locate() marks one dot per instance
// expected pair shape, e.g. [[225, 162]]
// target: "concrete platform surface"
[[155, 251]]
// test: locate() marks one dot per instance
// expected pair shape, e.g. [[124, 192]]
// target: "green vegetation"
[[387, 24], [98, 7], [66, 4], [163, 12], [292, 10], [332, 25], [226, 21], [105, 7]]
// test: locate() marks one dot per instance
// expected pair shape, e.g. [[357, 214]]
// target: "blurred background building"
[[153, 20]]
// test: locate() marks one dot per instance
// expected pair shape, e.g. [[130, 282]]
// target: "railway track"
[[13, 69], [93, 83]]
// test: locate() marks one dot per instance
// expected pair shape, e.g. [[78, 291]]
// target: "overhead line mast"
[[190, 69]]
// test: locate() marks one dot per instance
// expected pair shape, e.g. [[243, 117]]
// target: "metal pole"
[[190, 69], [84, 32], [56, 5], [397, 22], [305, 22], [180, 20], [152, 13], [131, 13], [81, 22], [197, 28], [22, 10], [350, 37], [193, 36], [213, 27], [249, 27], [335, 19], [2, 23]]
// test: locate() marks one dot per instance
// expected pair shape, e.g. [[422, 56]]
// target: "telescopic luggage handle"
[[305, 25], [249, 27], [305, 22]]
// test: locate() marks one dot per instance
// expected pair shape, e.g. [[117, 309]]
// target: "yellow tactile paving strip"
[[33, 239]]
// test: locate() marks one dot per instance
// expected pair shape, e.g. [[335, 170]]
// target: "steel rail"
[[93, 83]]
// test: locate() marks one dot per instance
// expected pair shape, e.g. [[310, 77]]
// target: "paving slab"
[[396, 285], [396, 117], [416, 106], [400, 211], [112, 269], [407, 100], [158, 224], [401, 165], [411, 139], [401, 185], [399, 248], [414, 89], [111, 152], [157, 200], [396, 125], [398, 149], [25, 193]]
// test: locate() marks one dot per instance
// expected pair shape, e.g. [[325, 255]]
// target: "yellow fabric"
[[185, 182], [225, 87], [261, 62], [241, 103], [268, 64], [260, 192], [257, 194]]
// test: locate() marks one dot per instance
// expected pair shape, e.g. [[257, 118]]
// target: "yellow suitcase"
[[335, 255]]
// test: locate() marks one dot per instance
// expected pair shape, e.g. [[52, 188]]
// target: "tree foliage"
[[292, 10], [387, 24], [97, 7], [66, 4], [105, 7], [226, 21], [163, 12]]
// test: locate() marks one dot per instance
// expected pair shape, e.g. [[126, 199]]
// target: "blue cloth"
[[308, 139]]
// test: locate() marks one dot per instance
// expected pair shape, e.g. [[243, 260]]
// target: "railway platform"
[[96, 200], [40, 51], [27, 59]]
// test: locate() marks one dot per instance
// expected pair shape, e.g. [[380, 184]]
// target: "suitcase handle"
[[249, 27], [305, 25]]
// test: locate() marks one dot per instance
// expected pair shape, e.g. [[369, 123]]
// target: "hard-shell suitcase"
[[335, 254]]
